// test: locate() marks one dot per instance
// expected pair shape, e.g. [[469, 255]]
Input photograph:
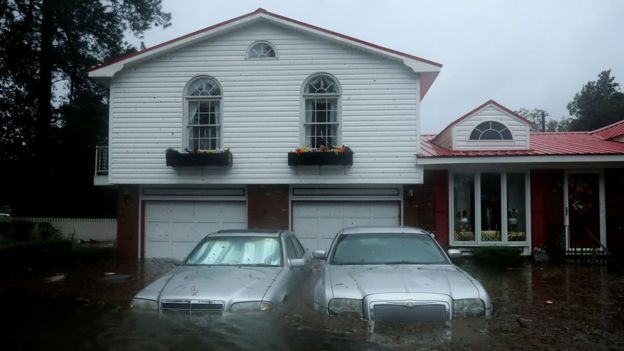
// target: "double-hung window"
[[203, 104], [321, 96]]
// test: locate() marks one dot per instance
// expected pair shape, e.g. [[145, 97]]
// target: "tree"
[[551, 125], [599, 103], [46, 51]]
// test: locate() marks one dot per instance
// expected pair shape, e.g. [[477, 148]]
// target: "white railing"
[[101, 160]]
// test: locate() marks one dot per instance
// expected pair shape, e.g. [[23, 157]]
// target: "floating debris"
[[55, 278]]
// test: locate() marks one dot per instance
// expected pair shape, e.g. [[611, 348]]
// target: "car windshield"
[[237, 251], [357, 249]]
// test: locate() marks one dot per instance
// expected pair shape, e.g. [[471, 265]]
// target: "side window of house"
[[203, 109], [491, 130], [321, 95], [261, 50]]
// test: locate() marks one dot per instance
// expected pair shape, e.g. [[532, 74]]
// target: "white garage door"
[[172, 228], [316, 223]]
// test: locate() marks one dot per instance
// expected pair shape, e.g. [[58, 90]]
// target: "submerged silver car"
[[395, 274], [231, 271]]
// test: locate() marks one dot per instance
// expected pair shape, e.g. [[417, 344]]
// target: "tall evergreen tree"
[[599, 103], [47, 47]]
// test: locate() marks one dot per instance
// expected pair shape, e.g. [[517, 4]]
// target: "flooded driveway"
[[544, 307]]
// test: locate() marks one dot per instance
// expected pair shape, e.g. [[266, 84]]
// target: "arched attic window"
[[321, 94], [261, 50], [491, 130], [203, 105]]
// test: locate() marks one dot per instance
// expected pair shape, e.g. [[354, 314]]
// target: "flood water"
[[543, 307]]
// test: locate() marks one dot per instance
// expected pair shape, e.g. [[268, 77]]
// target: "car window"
[[298, 246], [253, 251], [387, 249], [290, 249]]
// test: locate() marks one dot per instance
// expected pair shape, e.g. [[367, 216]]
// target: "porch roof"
[[541, 144]]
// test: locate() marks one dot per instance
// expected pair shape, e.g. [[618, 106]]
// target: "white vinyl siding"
[[261, 112], [445, 139], [519, 131]]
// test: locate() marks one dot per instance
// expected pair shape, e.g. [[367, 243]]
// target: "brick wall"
[[267, 206], [127, 221], [426, 205]]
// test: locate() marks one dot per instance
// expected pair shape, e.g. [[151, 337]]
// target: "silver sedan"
[[395, 274], [231, 271]]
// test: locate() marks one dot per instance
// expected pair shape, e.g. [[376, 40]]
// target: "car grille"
[[192, 306], [411, 313]]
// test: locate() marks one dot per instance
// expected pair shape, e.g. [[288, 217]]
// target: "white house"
[[246, 92], [263, 121]]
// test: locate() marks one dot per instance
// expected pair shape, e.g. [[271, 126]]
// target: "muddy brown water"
[[536, 307]]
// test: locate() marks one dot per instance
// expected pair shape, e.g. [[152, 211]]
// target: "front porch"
[[575, 210]]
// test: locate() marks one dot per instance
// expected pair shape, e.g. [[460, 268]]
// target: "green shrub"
[[48, 232], [17, 231], [498, 256]]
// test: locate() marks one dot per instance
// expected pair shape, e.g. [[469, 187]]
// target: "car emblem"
[[409, 304], [194, 290]]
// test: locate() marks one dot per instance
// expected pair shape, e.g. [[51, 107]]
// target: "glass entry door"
[[583, 210]]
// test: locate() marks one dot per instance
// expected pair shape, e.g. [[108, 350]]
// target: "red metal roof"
[[261, 10], [541, 144], [611, 131]]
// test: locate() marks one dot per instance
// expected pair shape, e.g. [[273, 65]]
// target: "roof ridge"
[[262, 11], [607, 126]]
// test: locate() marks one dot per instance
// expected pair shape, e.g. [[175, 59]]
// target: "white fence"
[[99, 229]]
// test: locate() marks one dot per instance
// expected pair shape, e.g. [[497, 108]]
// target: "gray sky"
[[529, 53]]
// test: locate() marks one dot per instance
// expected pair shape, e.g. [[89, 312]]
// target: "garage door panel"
[[307, 227], [382, 211], [384, 222], [331, 210], [181, 250], [316, 222], [159, 210], [357, 210], [158, 231], [233, 212], [173, 228], [327, 227], [158, 250]]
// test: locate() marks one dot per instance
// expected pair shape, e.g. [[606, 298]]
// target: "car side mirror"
[[297, 262], [454, 253], [319, 254]]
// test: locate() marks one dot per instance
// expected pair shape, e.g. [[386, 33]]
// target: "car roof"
[[248, 232], [382, 230]]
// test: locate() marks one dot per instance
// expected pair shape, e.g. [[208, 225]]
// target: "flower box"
[[321, 158], [198, 159]]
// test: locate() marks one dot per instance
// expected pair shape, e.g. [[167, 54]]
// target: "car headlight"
[[340, 306], [144, 304], [468, 307], [249, 306]]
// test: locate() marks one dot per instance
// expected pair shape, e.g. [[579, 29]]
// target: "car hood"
[[362, 280], [223, 283]]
